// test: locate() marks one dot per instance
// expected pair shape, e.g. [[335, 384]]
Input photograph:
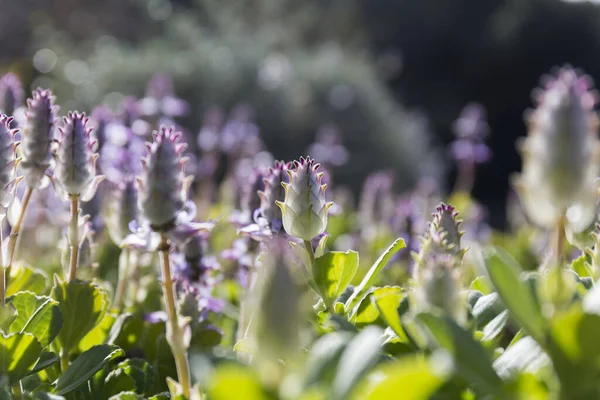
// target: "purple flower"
[[161, 101], [12, 95], [328, 147]]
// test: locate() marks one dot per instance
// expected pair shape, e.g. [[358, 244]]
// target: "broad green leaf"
[[324, 356], [82, 305], [38, 315], [486, 309], [495, 327], [47, 358], [371, 276], [140, 372], [99, 334], [42, 395], [18, 354], [528, 387], [472, 361], [85, 366], [410, 378], [20, 278], [365, 312], [523, 356], [117, 381], [232, 381], [360, 354], [581, 267], [333, 272], [516, 296], [387, 300]]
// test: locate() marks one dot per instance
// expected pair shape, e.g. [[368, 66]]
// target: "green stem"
[[17, 391], [74, 237], [64, 360], [560, 241], [16, 229], [135, 277], [174, 332], [310, 251]]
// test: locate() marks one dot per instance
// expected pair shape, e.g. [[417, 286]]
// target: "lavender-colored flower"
[[8, 164], [100, 118], [250, 200], [376, 207], [163, 188], [328, 147], [304, 209], [122, 210], [273, 192], [37, 136], [75, 158], [12, 95], [561, 154], [160, 99]]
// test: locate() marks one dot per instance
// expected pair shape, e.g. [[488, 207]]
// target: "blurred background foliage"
[[391, 75]]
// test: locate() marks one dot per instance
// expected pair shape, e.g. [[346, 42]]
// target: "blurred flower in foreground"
[[561, 154], [8, 165]]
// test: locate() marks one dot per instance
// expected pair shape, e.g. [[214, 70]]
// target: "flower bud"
[[442, 236], [272, 193], [122, 210], [37, 136], [162, 186], [76, 158], [304, 209], [561, 154], [8, 164], [438, 287], [11, 94]]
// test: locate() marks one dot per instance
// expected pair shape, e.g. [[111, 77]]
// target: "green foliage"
[[333, 272]]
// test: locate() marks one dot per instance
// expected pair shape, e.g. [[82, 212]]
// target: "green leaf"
[[410, 378], [365, 312], [472, 361], [369, 279], [333, 272], [83, 305], [232, 381], [486, 309], [18, 354], [523, 356], [117, 381], [324, 356], [99, 334], [42, 395], [85, 366], [47, 359], [581, 267], [387, 300], [360, 354], [482, 284], [20, 278], [140, 372], [517, 296], [495, 327], [127, 396], [38, 315]]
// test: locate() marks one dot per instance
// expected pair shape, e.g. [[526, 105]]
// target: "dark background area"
[[411, 67]]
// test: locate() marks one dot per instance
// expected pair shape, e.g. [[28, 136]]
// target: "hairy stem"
[[74, 237], [175, 335], [560, 241], [135, 276], [123, 279], [16, 229]]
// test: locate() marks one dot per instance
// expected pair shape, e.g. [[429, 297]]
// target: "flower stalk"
[[74, 237], [175, 332], [16, 230]]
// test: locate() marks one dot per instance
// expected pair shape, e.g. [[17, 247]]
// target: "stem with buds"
[[175, 333]]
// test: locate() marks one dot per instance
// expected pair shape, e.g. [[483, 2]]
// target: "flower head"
[[12, 95], [304, 209], [272, 193], [8, 164], [561, 154], [37, 136], [76, 157], [122, 210]]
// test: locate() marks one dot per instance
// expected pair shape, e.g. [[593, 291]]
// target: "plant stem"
[[310, 251], [17, 391], [16, 229], [174, 332], [74, 237], [123, 278], [135, 276]]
